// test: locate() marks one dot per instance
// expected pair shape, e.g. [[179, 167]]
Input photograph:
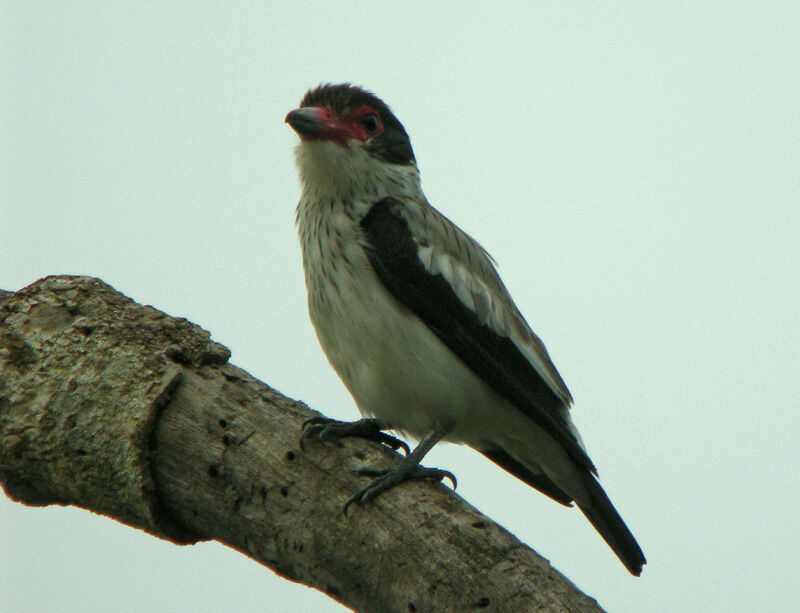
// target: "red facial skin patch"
[[321, 123]]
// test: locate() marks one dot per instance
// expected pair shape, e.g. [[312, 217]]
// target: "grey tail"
[[604, 517]]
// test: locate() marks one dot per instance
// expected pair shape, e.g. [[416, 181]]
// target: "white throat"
[[333, 172]]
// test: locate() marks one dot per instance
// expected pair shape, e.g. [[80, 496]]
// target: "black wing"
[[394, 254]]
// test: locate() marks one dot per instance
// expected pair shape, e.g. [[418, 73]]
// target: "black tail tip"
[[636, 568]]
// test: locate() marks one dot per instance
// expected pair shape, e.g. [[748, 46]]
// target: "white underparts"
[[395, 367]]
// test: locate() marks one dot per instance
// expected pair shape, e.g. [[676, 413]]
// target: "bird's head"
[[350, 142]]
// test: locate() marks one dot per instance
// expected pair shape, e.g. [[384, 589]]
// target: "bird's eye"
[[370, 122]]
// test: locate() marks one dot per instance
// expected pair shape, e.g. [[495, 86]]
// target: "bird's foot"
[[386, 478], [325, 429]]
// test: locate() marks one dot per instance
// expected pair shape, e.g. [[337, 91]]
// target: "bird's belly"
[[394, 366], [399, 371]]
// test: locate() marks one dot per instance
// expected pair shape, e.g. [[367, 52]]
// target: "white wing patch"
[[493, 308]]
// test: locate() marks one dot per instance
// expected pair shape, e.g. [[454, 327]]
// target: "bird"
[[414, 318]]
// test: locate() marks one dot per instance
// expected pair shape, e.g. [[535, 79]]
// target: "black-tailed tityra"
[[414, 318]]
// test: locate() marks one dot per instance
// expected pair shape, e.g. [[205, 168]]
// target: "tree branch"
[[118, 408]]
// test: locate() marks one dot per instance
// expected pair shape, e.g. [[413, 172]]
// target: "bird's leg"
[[326, 429], [408, 468]]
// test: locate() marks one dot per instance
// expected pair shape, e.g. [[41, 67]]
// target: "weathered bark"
[[121, 409]]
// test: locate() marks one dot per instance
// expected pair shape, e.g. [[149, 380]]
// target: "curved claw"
[[446, 474], [393, 442], [386, 478], [326, 429], [365, 494], [434, 475]]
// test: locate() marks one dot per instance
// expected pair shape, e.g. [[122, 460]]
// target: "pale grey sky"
[[633, 169]]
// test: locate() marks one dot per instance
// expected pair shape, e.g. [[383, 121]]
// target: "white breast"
[[394, 366]]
